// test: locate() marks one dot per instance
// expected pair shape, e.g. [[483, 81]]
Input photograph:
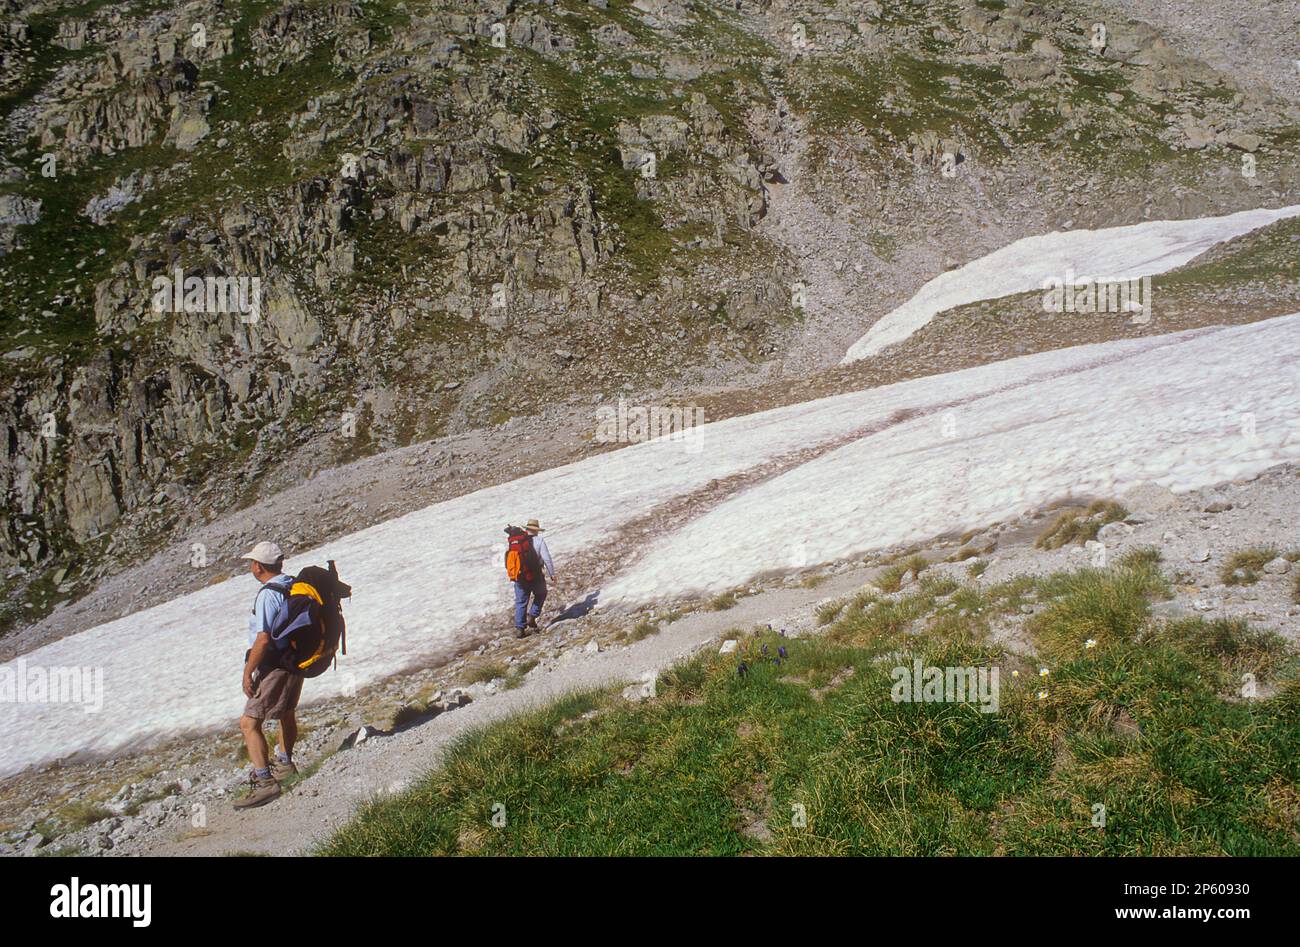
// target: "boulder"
[[1278, 566], [1243, 141], [1114, 532]]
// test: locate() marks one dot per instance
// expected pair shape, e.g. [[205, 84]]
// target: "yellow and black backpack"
[[309, 630]]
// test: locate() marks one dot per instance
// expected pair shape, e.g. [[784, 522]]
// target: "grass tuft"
[[1243, 567], [827, 612], [642, 630], [80, 814], [484, 671], [723, 601], [1071, 526], [891, 580], [1100, 605]]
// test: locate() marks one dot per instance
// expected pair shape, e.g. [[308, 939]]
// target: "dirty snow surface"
[[1113, 253], [913, 459]]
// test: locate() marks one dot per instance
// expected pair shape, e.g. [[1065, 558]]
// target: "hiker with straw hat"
[[530, 587], [534, 530]]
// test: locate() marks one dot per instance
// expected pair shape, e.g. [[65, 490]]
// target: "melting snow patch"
[[1115, 253], [1184, 411]]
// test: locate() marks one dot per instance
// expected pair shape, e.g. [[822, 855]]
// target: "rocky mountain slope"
[[462, 213]]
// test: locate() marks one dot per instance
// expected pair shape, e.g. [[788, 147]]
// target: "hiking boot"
[[282, 771], [520, 632], [261, 790], [532, 622]]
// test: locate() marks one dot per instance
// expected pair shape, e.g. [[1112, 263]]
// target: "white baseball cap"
[[267, 553]]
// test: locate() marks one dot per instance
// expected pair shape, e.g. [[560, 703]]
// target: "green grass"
[[827, 612], [81, 814], [1145, 723], [518, 671], [723, 601], [891, 580], [1237, 648], [642, 630], [1072, 526], [1247, 562], [1103, 606], [484, 672]]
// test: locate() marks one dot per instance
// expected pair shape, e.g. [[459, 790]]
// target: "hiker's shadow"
[[577, 609]]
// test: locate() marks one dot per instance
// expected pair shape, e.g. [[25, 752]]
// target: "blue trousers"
[[536, 590]]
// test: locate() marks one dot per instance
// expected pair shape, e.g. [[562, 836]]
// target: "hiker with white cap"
[[272, 691], [526, 557]]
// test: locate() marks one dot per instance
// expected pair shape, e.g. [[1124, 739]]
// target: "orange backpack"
[[521, 557]]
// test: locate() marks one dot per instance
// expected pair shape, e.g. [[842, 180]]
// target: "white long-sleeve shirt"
[[539, 545]]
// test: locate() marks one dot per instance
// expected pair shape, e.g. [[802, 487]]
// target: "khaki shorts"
[[275, 693]]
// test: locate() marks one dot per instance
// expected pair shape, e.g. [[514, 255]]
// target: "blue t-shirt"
[[266, 607]]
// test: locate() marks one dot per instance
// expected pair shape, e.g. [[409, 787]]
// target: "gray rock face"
[[124, 191], [15, 211]]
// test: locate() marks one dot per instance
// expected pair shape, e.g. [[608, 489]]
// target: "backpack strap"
[[270, 587]]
